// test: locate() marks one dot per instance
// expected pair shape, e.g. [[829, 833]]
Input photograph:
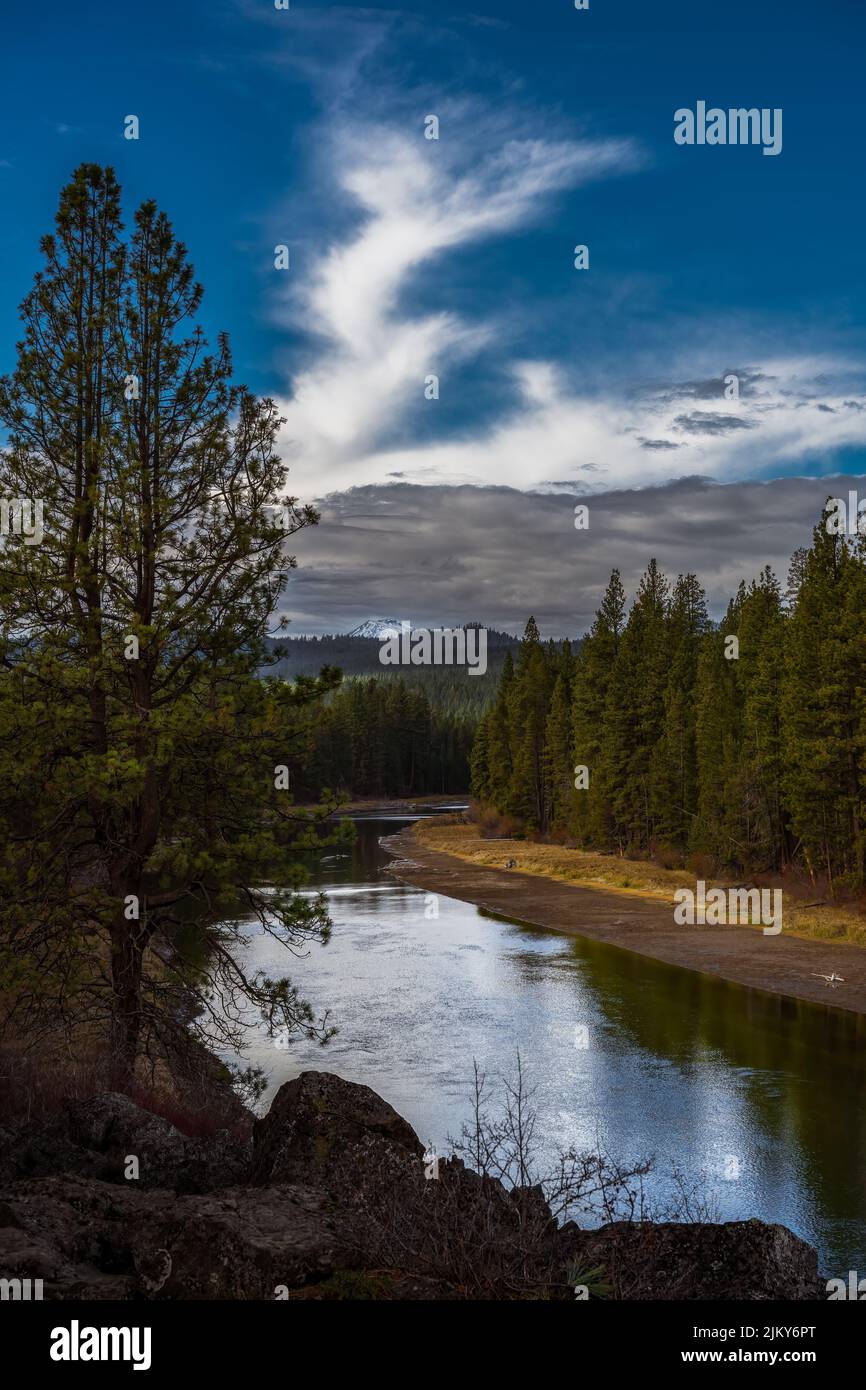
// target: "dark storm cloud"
[[658, 443], [440, 555], [706, 422], [708, 389]]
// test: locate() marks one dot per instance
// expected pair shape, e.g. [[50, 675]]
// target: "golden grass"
[[840, 924]]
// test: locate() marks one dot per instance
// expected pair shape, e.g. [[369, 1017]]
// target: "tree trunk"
[[126, 968]]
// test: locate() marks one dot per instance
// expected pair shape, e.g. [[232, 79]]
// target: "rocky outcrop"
[[319, 1122], [97, 1138], [90, 1239], [697, 1260], [330, 1200]]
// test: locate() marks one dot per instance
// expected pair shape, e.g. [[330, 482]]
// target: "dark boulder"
[[697, 1260], [239, 1243], [319, 1123]]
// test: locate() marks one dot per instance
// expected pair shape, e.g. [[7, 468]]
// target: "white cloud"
[[418, 200], [417, 203]]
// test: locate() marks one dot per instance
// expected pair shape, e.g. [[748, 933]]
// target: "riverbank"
[[639, 921], [328, 1199], [399, 805]]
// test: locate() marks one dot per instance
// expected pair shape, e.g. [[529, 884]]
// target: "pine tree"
[[718, 723], [593, 809], [746, 742], [635, 710], [759, 672], [558, 753], [528, 704], [500, 761], [480, 762], [673, 773], [132, 633], [822, 703]]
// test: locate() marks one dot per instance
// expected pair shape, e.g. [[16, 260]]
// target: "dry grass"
[[843, 923], [38, 1081]]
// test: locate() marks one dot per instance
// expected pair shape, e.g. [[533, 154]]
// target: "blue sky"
[[454, 257]]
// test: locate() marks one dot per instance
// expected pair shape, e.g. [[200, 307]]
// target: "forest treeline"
[[664, 734], [358, 655], [385, 736]]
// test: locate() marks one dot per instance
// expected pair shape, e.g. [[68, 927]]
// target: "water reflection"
[[758, 1096]]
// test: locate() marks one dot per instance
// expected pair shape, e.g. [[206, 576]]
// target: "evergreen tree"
[[635, 711], [529, 693], [558, 755], [759, 670], [673, 774], [593, 817], [480, 763], [822, 705], [746, 741], [500, 762], [718, 721], [131, 636]]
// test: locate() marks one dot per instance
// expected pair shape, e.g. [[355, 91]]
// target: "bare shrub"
[[493, 824], [667, 856], [199, 1099], [504, 1146], [490, 1223], [702, 865]]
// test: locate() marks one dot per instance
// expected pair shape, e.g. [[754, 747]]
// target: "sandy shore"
[[780, 964]]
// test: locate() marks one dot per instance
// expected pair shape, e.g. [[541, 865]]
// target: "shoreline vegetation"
[[838, 923], [629, 903], [732, 749]]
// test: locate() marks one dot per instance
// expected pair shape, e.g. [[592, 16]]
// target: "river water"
[[755, 1098]]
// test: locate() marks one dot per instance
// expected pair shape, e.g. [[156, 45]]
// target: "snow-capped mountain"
[[380, 628]]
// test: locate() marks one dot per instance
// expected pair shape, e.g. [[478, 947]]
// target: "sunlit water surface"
[[757, 1099]]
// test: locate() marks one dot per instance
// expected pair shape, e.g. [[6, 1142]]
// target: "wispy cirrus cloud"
[[453, 257], [416, 202]]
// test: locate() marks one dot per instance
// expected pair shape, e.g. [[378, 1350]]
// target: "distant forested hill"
[[390, 730], [359, 655], [448, 688]]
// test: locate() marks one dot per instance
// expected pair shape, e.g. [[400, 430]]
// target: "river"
[[757, 1098]]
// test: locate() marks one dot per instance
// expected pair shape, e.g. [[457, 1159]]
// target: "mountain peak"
[[380, 628]]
